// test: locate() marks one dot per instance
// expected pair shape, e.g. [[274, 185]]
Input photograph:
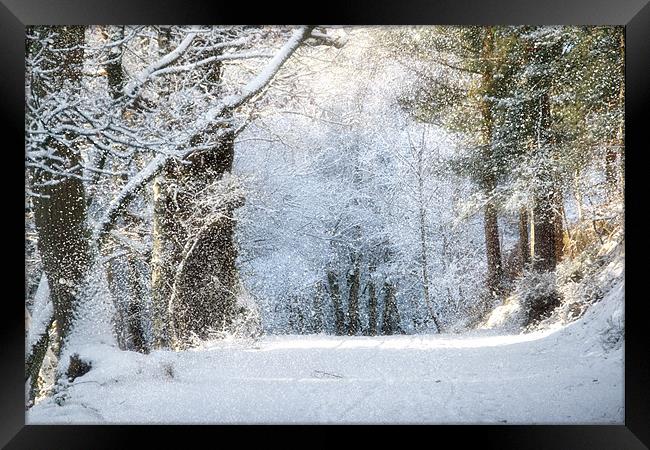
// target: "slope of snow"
[[556, 376]]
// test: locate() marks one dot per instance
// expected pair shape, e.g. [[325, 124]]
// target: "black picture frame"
[[633, 14]]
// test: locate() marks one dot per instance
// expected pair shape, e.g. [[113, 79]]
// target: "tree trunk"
[[34, 361], [524, 244], [493, 250], [354, 324], [135, 313], [489, 182], [168, 236], [204, 291], [116, 288], [60, 202], [114, 72], [545, 234], [335, 294], [194, 276], [372, 304], [318, 308], [546, 200], [60, 207], [391, 320], [423, 237]]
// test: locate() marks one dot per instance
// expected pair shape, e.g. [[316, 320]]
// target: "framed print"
[[386, 214]]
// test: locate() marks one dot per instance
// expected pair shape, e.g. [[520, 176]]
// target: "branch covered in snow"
[[252, 88], [258, 83], [142, 77]]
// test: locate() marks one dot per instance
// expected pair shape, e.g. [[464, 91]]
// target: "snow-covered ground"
[[555, 376]]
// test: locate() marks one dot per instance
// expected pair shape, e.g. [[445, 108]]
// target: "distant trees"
[[344, 196]]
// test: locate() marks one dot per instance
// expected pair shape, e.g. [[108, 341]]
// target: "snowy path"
[[558, 376]]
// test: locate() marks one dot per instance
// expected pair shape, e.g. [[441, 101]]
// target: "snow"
[[266, 75], [136, 183], [229, 102], [563, 375], [41, 314], [330, 174], [166, 60]]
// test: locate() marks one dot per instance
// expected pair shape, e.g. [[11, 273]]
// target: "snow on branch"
[[226, 57], [265, 76], [141, 78], [127, 193]]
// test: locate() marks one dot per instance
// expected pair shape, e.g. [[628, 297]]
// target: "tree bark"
[[60, 207], [165, 256], [493, 250], [354, 324], [335, 294], [194, 277], [204, 292], [318, 308], [524, 244], [545, 234], [391, 320], [547, 199], [424, 263], [135, 313], [114, 72], [372, 303], [489, 182]]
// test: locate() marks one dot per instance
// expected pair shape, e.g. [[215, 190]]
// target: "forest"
[[194, 194]]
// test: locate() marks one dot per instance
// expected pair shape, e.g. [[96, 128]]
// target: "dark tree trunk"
[[194, 277], [547, 200], [493, 251], [318, 308], [489, 182], [115, 281], [168, 238], [62, 241], [391, 320], [135, 313], [204, 292], [372, 304], [60, 207], [114, 72], [545, 245], [354, 324], [335, 294], [524, 243]]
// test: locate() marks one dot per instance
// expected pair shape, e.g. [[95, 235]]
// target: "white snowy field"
[[559, 376]]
